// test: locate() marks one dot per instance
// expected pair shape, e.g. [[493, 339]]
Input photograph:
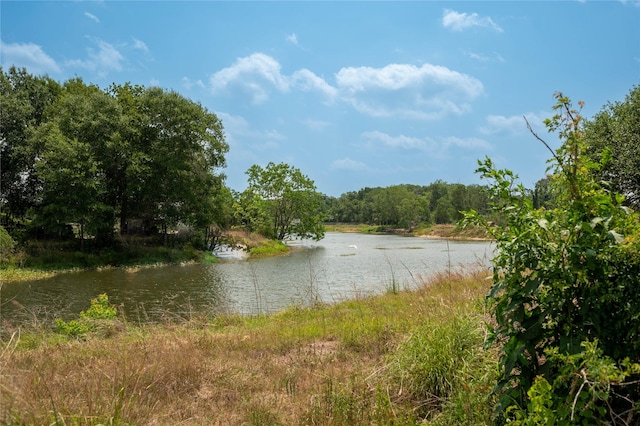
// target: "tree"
[[542, 195], [284, 201], [23, 99], [72, 187], [184, 146], [87, 123], [613, 136], [566, 291]]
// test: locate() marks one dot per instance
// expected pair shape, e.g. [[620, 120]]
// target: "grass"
[[46, 259], [450, 231], [268, 248], [359, 362]]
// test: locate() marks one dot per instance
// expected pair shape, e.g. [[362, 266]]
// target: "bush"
[[564, 278], [89, 320], [8, 254]]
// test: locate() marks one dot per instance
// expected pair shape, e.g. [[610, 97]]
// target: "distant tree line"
[[129, 156], [406, 206]]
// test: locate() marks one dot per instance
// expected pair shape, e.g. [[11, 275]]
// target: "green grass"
[[45, 261], [390, 359], [268, 248]]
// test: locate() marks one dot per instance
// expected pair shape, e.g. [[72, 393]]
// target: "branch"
[[542, 140]]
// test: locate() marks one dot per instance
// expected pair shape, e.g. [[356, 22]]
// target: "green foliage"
[[89, 320], [562, 276], [7, 246], [406, 206], [281, 202], [75, 154], [580, 393], [24, 99], [432, 366], [613, 137], [268, 248]]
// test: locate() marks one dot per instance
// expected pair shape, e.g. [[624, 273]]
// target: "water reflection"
[[340, 267]]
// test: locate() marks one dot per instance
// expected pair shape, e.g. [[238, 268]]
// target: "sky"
[[355, 94]]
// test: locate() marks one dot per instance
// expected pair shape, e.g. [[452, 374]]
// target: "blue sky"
[[354, 94]]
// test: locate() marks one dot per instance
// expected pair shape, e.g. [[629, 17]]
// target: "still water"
[[339, 267]]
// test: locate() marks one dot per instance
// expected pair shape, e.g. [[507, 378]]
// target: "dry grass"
[[321, 366]]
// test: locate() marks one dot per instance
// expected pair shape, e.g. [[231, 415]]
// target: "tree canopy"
[[407, 205], [75, 153], [282, 202], [613, 138]]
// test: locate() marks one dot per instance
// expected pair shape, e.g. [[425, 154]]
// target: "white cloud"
[[291, 38], [467, 143], [396, 90], [485, 58], [348, 164], [92, 17], [512, 125], [462, 21], [250, 74], [408, 91], [27, 55], [308, 81], [434, 148], [316, 125], [140, 45], [402, 141], [237, 127], [101, 60], [189, 84]]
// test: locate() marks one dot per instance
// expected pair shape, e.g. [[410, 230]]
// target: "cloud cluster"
[[28, 55], [436, 148], [461, 21], [100, 60], [102, 57], [396, 90], [514, 124]]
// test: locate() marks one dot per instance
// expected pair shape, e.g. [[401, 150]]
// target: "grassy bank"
[[392, 359], [449, 231], [45, 259], [48, 260]]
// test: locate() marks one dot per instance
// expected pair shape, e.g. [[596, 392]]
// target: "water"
[[341, 266]]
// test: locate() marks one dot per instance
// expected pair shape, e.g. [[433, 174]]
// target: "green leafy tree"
[[83, 126], [542, 194], [613, 137], [183, 148], [23, 101], [444, 212], [412, 211], [565, 278], [284, 201], [72, 186]]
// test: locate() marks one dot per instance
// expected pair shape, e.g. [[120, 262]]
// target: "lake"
[[341, 266]]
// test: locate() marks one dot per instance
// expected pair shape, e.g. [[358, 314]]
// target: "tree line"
[[127, 156], [78, 162], [407, 206]]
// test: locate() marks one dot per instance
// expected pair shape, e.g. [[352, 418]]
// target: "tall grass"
[[368, 361]]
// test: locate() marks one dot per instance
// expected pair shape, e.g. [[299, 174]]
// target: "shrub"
[[7, 248], [562, 278], [89, 320]]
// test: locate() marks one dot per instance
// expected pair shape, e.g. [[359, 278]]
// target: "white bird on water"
[[353, 246]]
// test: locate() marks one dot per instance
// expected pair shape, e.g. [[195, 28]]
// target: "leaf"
[[618, 238]]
